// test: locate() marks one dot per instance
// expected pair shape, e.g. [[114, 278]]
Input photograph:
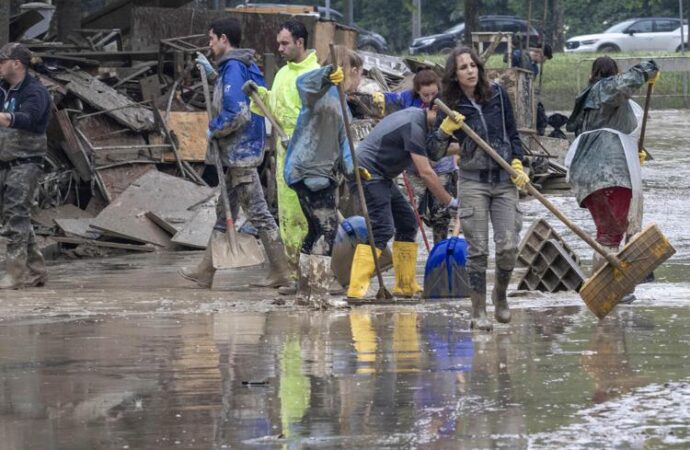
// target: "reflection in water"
[[366, 378]]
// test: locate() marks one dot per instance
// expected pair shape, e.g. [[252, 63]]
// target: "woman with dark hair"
[[603, 162], [485, 190]]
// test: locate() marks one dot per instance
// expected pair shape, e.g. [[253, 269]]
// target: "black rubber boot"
[[478, 296], [498, 296]]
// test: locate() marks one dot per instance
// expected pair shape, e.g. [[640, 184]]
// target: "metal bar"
[[105, 111]]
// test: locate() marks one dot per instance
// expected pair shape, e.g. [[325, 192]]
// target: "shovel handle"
[[610, 257], [248, 89], [420, 224], [383, 292], [215, 152], [643, 129]]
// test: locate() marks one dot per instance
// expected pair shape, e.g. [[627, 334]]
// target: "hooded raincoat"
[[604, 154], [284, 103], [318, 150], [240, 133]]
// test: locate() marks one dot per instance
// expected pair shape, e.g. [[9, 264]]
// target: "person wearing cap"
[[24, 112]]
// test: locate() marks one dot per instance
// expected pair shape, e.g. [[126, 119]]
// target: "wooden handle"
[[643, 130], [267, 113], [531, 189]]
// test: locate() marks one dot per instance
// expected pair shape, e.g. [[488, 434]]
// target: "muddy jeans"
[[17, 188], [391, 214], [244, 189], [322, 219], [433, 213], [479, 204]]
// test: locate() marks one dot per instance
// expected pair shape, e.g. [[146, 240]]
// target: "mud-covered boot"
[[15, 273], [478, 296], [278, 270], [204, 272], [37, 275], [319, 279], [302, 289], [498, 295]]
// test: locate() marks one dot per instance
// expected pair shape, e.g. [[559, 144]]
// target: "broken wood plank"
[[80, 228], [107, 244], [170, 224], [190, 130], [72, 147], [46, 217], [197, 231], [166, 195], [117, 179], [103, 97]]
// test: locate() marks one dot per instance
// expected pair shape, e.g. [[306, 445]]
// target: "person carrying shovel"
[[240, 137], [486, 192], [604, 160], [396, 142]]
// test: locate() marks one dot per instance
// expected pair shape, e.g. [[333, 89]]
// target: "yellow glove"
[[652, 81], [337, 76], [263, 95], [642, 154], [364, 174], [521, 179], [452, 123], [379, 101]]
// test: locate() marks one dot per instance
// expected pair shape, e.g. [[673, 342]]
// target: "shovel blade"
[[644, 253], [246, 253]]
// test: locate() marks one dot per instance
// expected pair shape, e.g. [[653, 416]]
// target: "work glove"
[[209, 135], [452, 123], [379, 101], [521, 179], [642, 154], [337, 76], [262, 92], [203, 62], [364, 174], [652, 81]]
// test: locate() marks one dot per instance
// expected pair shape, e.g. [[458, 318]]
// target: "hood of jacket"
[[244, 55]]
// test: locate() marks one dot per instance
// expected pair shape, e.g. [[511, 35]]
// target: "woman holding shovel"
[[316, 157], [604, 161], [486, 192]]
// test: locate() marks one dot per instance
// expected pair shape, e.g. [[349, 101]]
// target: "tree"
[[472, 8], [4, 22], [68, 15]]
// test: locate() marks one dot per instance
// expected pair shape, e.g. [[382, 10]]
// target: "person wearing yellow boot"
[[284, 103], [396, 142]]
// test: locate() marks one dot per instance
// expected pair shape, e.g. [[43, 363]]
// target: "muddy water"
[[119, 353]]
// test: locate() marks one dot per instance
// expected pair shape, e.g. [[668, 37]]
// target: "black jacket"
[[494, 122], [29, 107]]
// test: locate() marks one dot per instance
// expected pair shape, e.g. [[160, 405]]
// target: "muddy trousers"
[[609, 209], [244, 189], [390, 213], [17, 188], [481, 203], [293, 225], [319, 209], [432, 212]]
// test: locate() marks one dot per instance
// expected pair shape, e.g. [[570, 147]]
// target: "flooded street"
[[120, 353]]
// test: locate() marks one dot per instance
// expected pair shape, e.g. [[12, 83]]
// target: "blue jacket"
[[318, 150], [240, 133], [401, 100]]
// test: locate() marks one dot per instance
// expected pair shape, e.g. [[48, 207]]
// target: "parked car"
[[641, 34], [366, 40], [449, 39]]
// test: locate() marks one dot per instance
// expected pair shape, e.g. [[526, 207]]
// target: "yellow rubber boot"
[[362, 269], [405, 269]]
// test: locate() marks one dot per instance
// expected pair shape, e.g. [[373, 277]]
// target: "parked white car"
[[634, 35]]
